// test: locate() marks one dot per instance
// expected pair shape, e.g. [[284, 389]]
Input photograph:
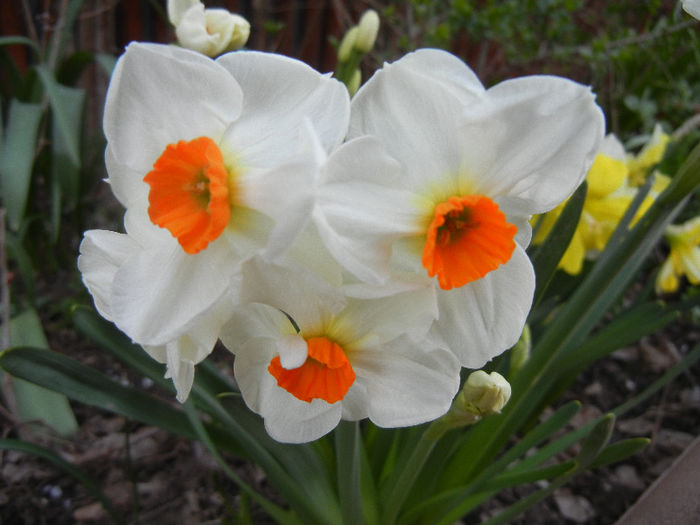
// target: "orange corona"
[[467, 238], [326, 374], [189, 193]]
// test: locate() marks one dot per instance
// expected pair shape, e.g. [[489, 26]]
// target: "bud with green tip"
[[347, 44]]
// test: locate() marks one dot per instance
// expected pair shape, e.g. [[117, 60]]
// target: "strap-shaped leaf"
[[17, 158]]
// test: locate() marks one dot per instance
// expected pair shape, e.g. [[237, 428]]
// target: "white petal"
[[414, 112], [177, 8], [158, 293], [255, 321], [280, 94], [101, 254], [292, 350], [486, 317], [306, 298], [179, 370], [361, 208], [407, 383], [534, 138], [405, 313], [161, 94]]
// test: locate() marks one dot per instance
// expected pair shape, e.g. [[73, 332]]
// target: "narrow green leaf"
[[62, 100], [640, 320], [12, 40], [86, 385], [545, 258], [347, 446], [33, 402], [511, 479], [596, 440], [17, 158], [619, 451], [71, 68], [90, 485], [449, 500], [65, 171]]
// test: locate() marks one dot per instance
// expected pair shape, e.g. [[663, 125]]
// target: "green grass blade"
[[90, 485]]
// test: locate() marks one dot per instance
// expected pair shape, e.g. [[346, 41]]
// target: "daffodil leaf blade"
[[17, 158], [33, 402], [86, 385], [545, 257], [619, 451]]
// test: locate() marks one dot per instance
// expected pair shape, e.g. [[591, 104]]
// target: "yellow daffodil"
[[684, 258]]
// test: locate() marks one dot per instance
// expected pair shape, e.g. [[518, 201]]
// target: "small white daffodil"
[[208, 31], [339, 359], [684, 258]]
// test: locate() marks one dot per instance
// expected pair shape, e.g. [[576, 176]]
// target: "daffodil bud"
[[368, 27], [209, 31], [347, 44], [487, 393], [354, 83]]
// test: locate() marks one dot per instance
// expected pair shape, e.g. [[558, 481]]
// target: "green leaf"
[[596, 440], [17, 158], [90, 485], [511, 479], [64, 102], [34, 402], [545, 258], [19, 40], [619, 451], [348, 455], [86, 385]]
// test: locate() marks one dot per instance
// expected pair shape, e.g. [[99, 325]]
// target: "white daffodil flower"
[[209, 31], [189, 141], [475, 164], [349, 359]]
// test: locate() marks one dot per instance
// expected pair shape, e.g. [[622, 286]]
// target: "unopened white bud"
[[347, 44], [487, 393], [368, 28], [209, 31], [355, 82]]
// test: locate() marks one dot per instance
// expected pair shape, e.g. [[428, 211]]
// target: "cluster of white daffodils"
[[352, 255]]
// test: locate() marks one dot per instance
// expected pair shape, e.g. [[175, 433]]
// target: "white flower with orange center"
[[474, 165], [192, 146], [307, 357]]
